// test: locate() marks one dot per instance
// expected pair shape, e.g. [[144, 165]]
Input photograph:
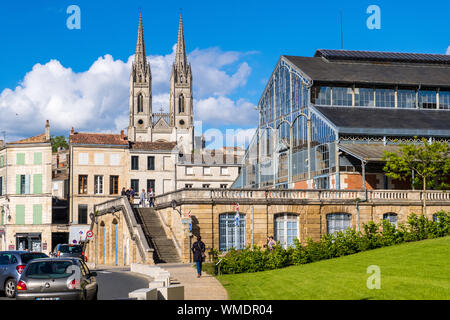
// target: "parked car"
[[69, 250], [12, 264], [54, 279]]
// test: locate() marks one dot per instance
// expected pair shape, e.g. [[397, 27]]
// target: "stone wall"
[[118, 238], [311, 208]]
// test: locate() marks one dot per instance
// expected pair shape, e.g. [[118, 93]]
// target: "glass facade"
[[444, 100], [285, 105]]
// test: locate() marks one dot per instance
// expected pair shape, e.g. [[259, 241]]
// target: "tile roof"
[[153, 146], [97, 138], [353, 71], [36, 139]]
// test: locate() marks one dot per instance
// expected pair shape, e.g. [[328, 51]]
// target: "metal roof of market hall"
[[375, 68], [387, 121]]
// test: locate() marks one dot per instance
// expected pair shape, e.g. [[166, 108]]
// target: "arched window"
[[181, 104], [391, 217], [230, 235], [286, 229], [140, 103], [338, 222]]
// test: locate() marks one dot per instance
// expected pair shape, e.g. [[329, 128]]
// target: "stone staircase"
[[165, 250]]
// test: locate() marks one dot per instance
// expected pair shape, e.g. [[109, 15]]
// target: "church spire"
[[140, 59], [180, 59]]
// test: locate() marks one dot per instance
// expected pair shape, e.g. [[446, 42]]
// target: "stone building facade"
[[26, 194]]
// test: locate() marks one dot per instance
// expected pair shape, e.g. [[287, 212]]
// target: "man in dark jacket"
[[198, 249]]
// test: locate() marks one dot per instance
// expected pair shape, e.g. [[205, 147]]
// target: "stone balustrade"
[[277, 195]]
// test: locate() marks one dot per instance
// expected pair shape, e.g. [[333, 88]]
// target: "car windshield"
[[49, 269], [70, 249], [27, 257]]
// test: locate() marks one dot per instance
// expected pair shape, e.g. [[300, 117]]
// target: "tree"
[[59, 141], [430, 163]]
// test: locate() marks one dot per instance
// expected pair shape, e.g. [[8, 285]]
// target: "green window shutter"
[[20, 214], [2, 160], [38, 158], [20, 158], [17, 183], [37, 183], [37, 214]]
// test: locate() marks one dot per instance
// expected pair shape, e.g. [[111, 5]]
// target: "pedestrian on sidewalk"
[[142, 197], [198, 249], [150, 196]]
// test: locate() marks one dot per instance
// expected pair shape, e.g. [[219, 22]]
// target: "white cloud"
[[97, 99], [224, 111], [448, 50]]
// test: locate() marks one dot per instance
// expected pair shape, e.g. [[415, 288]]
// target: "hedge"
[[374, 235]]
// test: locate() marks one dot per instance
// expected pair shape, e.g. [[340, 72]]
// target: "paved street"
[[114, 283]]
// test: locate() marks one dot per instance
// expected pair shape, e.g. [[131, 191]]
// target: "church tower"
[[181, 99], [140, 103]]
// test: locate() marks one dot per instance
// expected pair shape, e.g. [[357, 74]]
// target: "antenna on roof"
[[342, 32]]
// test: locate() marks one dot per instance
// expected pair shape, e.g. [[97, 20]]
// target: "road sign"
[[190, 227], [186, 221], [236, 217], [237, 206], [189, 214], [89, 234]]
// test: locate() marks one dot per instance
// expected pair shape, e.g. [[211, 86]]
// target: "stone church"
[[175, 126]]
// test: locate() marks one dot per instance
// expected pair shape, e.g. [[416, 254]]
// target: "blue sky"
[[239, 41]]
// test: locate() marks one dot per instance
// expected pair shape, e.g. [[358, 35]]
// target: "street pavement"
[[114, 283]]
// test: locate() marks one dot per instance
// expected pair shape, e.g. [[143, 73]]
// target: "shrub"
[[253, 259]]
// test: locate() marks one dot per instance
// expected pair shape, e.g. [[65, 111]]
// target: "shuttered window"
[[20, 214], [38, 158], [37, 214], [37, 183], [20, 158]]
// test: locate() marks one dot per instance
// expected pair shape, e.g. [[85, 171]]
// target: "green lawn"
[[417, 270]]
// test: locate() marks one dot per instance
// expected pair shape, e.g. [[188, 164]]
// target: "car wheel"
[[10, 288]]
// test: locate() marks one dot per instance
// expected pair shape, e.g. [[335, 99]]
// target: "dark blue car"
[[12, 264]]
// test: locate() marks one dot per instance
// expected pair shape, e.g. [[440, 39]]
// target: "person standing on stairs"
[[142, 199], [198, 249]]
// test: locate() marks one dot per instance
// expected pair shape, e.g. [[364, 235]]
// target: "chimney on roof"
[[47, 130], [72, 131], [122, 135]]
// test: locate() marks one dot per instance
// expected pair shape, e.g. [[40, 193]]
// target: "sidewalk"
[[206, 287]]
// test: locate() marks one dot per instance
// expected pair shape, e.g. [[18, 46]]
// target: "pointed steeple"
[[181, 59], [140, 58]]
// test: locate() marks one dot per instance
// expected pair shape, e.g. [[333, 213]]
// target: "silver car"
[[69, 250], [57, 279], [12, 264]]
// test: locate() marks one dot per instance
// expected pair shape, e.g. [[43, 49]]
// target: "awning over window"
[[368, 152]]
